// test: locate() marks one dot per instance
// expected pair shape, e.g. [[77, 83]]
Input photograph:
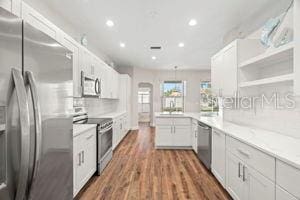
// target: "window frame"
[[142, 103], [164, 97], [214, 98]]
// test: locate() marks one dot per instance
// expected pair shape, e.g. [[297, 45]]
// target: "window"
[[144, 101], [173, 96], [208, 102]]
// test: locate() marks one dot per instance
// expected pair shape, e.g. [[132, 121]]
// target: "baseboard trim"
[[172, 147]]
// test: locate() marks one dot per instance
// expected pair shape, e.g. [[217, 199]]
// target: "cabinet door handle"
[[195, 134], [239, 171], [79, 159], [174, 129], [244, 173]]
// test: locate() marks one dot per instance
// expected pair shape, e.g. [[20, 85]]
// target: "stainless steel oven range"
[[104, 137]]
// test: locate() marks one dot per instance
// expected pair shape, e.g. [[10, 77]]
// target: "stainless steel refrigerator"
[[36, 105]]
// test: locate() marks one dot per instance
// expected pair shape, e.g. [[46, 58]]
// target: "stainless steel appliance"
[[204, 144], [36, 105], [104, 136], [91, 86]]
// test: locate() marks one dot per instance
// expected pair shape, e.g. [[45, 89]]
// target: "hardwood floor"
[[139, 171]]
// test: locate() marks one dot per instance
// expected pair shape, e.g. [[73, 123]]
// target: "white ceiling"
[[143, 23]]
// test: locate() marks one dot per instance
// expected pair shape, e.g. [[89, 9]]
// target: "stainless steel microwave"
[[91, 86]]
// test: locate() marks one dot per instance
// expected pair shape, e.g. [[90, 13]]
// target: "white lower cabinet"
[[84, 158], [164, 135], [195, 135], [234, 181], [281, 194], [120, 129], [258, 187], [245, 183], [218, 164], [173, 133], [288, 178], [246, 175], [182, 136]]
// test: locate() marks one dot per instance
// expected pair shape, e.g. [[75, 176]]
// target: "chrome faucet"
[[172, 105]]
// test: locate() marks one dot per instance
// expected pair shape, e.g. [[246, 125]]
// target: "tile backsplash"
[[96, 106], [284, 121]]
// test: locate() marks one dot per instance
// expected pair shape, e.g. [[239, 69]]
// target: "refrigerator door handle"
[[37, 121], [97, 86], [22, 101]]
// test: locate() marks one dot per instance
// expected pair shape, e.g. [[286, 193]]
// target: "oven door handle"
[[105, 130]]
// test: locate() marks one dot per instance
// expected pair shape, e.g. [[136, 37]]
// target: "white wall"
[[156, 77]]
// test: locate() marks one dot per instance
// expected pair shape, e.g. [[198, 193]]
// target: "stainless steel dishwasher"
[[204, 144]]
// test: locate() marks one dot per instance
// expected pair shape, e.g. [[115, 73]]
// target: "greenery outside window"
[[173, 96], [208, 102]]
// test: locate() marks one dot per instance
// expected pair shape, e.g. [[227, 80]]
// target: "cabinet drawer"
[[181, 121], [288, 177], [164, 121], [260, 161], [84, 137], [281, 194]]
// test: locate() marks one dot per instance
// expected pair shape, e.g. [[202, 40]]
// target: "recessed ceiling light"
[[153, 58], [181, 44], [122, 45], [110, 23], [193, 22]]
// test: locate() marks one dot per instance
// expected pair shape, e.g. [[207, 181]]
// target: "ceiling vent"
[[155, 48]]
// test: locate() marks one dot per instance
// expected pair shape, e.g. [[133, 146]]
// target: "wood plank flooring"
[[138, 171]]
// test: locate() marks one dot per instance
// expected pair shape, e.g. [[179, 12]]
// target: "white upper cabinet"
[[13, 6], [115, 84], [224, 65], [224, 71], [105, 82], [38, 21], [85, 62], [216, 74], [74, 47], [110, 84]]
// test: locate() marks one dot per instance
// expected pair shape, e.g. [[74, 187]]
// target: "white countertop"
[[282, 147], [80, 128], [110, 115]]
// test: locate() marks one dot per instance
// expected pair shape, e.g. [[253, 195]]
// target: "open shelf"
[[265, 81], [270, 57]]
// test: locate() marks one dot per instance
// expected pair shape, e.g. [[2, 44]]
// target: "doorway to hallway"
[[145, 104]]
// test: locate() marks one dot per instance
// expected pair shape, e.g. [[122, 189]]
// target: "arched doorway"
[[145, 104]]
